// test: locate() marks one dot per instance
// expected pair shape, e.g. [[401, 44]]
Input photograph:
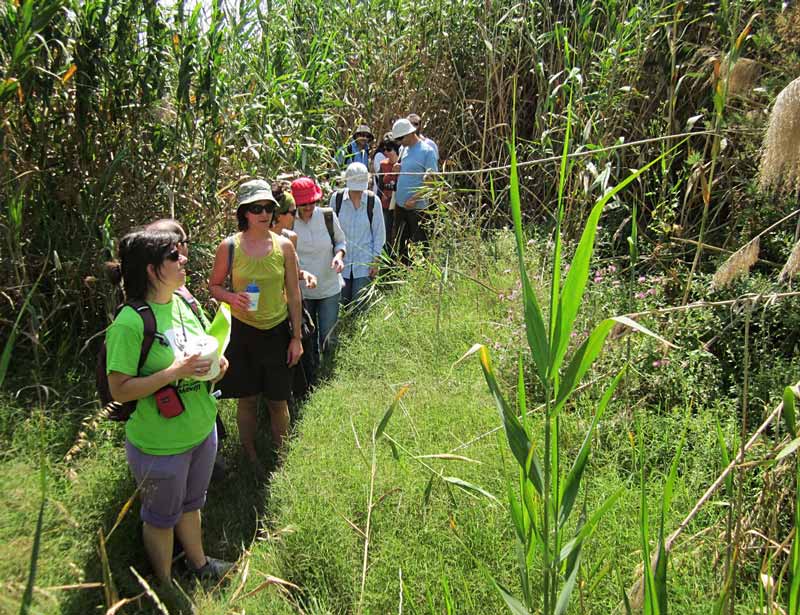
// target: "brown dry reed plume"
[[780, 154], [737, 264], [742, 79], [792, 265]]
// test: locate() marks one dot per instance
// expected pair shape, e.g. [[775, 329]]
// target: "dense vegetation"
[[115, 113]]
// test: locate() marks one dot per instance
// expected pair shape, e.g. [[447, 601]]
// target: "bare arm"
[[128, 388], [294, 300], [216, 281]]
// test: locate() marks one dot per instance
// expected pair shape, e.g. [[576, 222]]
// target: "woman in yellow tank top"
[[264, 299]]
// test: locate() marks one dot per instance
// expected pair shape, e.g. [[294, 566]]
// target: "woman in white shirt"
[[321, 247]]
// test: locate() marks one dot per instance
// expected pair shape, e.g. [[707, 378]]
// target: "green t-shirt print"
[[147, 430]]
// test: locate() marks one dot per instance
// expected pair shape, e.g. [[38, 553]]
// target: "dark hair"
[[241, 217], [137, 250], [167, 224], [390, 145], [279, 186]]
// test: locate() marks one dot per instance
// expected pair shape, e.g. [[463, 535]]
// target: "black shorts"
[[257, 362]]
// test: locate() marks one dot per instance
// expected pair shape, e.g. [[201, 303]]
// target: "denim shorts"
[[172, 484]]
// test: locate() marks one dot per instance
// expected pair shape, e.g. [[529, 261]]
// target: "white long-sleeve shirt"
[[316, 252]]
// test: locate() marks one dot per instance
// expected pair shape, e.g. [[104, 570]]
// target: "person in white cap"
[[357, 150], [417, 161], [362, 222]]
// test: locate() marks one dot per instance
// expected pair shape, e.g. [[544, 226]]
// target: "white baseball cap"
[[402, 127], [356, 177]]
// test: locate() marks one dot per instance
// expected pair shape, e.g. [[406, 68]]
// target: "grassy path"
[[308, 525]]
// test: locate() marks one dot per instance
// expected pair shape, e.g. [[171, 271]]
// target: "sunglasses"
[[173, 256], [258, 209], [184, 242], [292, 212]]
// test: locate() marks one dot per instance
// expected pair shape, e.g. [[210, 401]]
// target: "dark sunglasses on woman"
[[173, 256], [258, 209]]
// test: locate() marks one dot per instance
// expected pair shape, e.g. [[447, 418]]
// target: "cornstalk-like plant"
[[541, 509]]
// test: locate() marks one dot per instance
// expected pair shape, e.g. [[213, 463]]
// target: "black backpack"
[[118, 411]]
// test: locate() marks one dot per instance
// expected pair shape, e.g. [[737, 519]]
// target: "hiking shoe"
[[214, 569]]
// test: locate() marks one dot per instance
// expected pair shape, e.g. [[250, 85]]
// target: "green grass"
[[297, 529]]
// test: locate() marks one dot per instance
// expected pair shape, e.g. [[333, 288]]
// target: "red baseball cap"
[[305, 190]]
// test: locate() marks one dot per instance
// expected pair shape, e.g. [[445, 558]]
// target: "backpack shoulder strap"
[[190, 300], [230, 242], [148, 331], [339, 199], [370, 207], [327, 212]]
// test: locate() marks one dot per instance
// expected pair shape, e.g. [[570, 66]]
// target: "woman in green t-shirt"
[[171, 439]]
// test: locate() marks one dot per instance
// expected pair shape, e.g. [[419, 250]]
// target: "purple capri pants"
[[172, 484]]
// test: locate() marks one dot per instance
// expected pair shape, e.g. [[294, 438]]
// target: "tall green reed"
[[541, 510]]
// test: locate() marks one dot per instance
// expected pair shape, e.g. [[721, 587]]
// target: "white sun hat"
[[402, 127], [356, 177]]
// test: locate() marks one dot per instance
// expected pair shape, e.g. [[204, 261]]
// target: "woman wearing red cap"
[[321, 247], [264, 298]]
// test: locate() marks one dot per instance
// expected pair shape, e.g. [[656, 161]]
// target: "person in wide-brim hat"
[[363, 131], [357, 150]]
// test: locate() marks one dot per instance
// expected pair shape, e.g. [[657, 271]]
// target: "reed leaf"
[[572, 483], [572, 569], [447, 457], [514, 605], [150, 592], [589, 527], [589, 350], [575, 284], [109, 589], [660, 574], [522, 567], [522, 400], [517, 438], [794, 587], [517, 514], [8, 347], [469, 487], [789, 411], [534, 322], [650, 605], [388, 414], [426, 494], [788, 449], [555, 281]]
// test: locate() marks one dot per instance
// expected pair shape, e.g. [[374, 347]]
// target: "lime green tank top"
[[268, 274]]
